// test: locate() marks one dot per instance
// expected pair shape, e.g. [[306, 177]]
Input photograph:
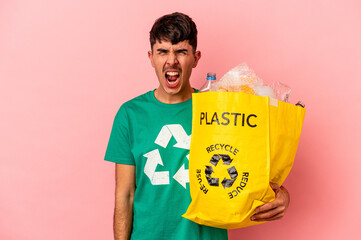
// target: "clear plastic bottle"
[[211, 79]]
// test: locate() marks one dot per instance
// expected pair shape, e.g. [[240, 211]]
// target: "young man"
[[148, 145]]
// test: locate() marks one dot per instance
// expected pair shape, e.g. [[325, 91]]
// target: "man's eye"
[[162, 52], [182, 53]]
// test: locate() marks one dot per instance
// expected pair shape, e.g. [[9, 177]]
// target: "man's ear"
[[150, 56], [197, 56]]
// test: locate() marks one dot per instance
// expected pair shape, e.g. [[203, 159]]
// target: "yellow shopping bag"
[[231, 157], [286, 122]]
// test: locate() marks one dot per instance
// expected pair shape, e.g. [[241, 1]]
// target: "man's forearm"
[[123, 219], [124, 195]]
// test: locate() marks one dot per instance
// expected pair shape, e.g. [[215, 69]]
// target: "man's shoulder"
[[140, 99], [134, 105]]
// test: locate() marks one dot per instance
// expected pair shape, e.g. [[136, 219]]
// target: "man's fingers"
[[269, 215], [268, 206], [275, 217], [273, 210], [275, 203]]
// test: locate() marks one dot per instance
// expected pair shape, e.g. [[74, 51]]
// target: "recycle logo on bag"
[[219, 162]]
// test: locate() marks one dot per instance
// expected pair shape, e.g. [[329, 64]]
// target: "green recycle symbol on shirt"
[[154, 158]]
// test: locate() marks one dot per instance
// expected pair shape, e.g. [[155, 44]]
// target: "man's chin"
[[172, 91]]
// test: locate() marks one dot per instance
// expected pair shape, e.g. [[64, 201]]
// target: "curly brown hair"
[[175, 27]]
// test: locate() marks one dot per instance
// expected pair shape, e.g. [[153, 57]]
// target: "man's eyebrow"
[[182, 50], [162, 50]]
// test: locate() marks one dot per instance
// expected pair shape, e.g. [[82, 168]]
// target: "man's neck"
[[163, 97]]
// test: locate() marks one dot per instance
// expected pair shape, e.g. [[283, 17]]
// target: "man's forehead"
[[167, 44]]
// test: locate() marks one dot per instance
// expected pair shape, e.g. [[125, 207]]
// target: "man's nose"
[[172, 59]]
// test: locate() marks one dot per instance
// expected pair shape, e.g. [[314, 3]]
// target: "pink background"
[[66, 67]]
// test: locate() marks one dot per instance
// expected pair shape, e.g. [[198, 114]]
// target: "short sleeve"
[[119, 146]]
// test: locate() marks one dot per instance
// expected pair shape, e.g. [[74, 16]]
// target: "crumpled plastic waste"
[[282, 91], [243, 79]]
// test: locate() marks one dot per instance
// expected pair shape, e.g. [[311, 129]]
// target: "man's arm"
[[276, 209], [124, 194]]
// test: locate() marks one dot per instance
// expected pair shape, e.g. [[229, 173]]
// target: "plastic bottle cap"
[[211, 76]]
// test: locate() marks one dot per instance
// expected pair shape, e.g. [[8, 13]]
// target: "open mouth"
[[172, 78]]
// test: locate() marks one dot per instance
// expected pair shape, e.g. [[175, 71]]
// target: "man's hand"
[[273, 210]]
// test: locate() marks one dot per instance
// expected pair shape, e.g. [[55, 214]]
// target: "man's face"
[[173, 65]]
